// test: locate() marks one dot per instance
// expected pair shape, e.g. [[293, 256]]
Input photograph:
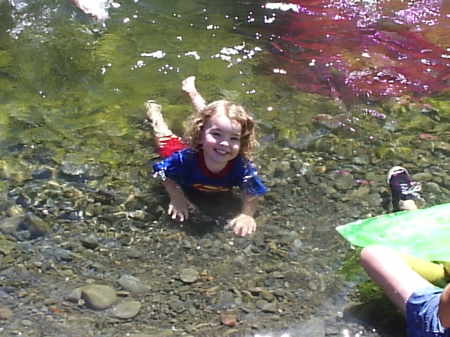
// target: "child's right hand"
[[188, 85], [179, 208]]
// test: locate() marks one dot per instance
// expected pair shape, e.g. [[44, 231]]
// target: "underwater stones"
[[73, 169], [15, 210], [89, 241], [126, 309], [133, 284], [98, 296], [6, 246], [422, 176], [15, 171], [189, 275], [343, 181], [229, 318], [11, 224], [42, 173], [432, 187], [5, 313], [37, 226], [359, 193]]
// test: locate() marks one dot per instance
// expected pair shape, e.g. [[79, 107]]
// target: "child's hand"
[[179, 207], [188, 85], [243, 225]]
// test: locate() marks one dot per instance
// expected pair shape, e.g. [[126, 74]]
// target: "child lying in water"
[[214, 159]]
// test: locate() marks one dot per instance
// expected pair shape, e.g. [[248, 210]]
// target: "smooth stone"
[[74, 296], [5, 313], [38, 227], [422, 176], [6, 246], [126, 309], [90, 241], [16, 210], [98, 296], [189, 275], [10, 225], [133, 284], [432, 187], [344, 182]]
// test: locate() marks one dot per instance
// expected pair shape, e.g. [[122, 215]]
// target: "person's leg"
[[407, 205], [166, 141], [444, 307], [390, 271], [159, 125], [404, 191]]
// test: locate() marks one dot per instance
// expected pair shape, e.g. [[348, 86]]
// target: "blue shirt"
[[188, 169]]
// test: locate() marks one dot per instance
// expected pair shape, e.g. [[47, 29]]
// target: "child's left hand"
[[243, 225]]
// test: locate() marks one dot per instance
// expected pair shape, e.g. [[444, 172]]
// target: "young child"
[[404, 191], [215, 158], [426, 307]]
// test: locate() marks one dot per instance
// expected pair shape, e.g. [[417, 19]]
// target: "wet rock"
[[189, 275], [344, 181], [73, 169], [5, 313], [133, 253], [42, 173], [432, 188], [229, 318], [16, 210], [444, 147], [98, 296], [359, 193], [126, 309], [6, 246], [422, 176], [37, 226], [133, 284], [266, 306], [74, 296], [90, 241], [11, 224]]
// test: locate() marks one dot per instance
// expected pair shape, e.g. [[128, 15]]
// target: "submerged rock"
[[98, 296], [133, 284], [126, 309]]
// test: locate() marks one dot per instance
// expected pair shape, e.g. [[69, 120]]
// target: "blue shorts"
[[422, 314]]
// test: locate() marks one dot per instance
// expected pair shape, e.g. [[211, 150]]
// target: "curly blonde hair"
[[198, 120]]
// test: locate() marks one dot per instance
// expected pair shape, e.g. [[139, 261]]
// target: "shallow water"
[[75, 151]]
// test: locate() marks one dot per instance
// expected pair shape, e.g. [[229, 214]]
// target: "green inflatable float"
[[420, 236]]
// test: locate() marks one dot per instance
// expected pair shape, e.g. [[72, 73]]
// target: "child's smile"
[[221, 141]]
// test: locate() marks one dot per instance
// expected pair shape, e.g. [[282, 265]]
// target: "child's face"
[[221, 139]]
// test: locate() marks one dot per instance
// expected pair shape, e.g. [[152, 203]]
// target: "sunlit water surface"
[[318, 76]]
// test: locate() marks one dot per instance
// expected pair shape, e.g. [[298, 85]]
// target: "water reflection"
[[367, 49]]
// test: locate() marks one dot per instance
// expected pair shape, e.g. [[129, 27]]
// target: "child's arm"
[[179, 204], [188, 85], [244, 224]]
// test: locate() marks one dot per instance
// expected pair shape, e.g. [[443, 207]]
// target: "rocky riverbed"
[[81, 256]]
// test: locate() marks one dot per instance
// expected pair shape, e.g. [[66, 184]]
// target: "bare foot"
[[188, 85], [158, 123]]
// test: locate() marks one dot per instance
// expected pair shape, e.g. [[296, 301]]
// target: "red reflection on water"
[[368, 49]]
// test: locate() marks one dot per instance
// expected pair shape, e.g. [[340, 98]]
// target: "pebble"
[[98, 297], [126, 309], [133, 284], [5, 313], [189, 275]]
